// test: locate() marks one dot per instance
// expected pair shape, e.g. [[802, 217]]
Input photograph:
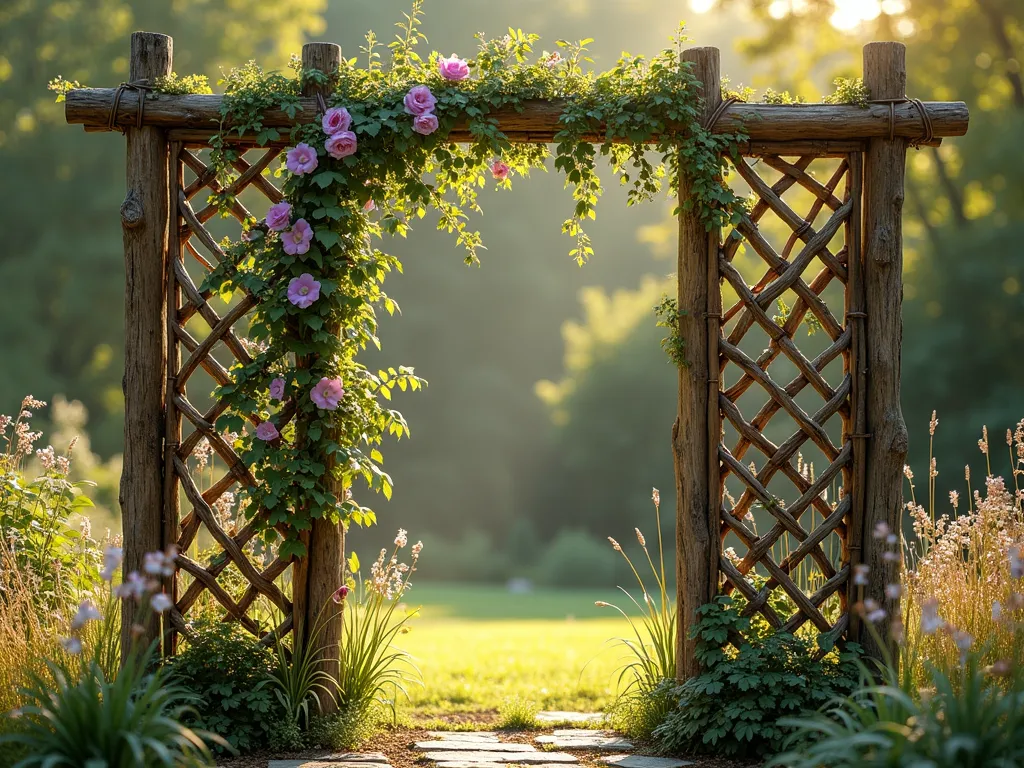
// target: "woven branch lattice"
[[804, 553], [199, 522]]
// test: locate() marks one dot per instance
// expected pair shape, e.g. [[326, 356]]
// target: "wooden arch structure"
[[835, 267]]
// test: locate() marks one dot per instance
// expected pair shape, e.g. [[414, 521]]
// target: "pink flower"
[[425, 124], [279, 216], [277, 388], [296, 240], [161, 602], [327, 393], [336, 120], [453, 68], [301, 159], [340, 594], [267, 431], [341, 144], [500, 170], [303, 290], [369, 205], [419, 101]]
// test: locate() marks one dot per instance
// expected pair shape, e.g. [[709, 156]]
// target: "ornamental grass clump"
[[373, 671], [650, 650]]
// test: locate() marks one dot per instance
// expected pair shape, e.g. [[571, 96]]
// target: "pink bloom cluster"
[[296, 240], [453, 68], [420, 103], [341, 142], [500, 170]]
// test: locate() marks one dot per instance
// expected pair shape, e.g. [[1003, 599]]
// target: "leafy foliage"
[[641, 104], [972, 719], [517, 714], [297, 677], [225, 668], [81, 717], [737, 704]]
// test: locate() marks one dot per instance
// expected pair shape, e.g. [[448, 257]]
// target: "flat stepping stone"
[[581, 732], [468, 764], [463, 735], [337, 760], [570, 717], [458, 759], [591, 740], [472, 745], [643, 761]]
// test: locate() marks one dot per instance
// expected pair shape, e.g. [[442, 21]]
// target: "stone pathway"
[[339, 760]]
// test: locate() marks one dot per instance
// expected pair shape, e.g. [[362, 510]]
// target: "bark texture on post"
[[320, 574], [144, 219], [885, 75], [696, 519]]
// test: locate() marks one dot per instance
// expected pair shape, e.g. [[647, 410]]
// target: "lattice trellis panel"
[[218, 557], [792, 305]]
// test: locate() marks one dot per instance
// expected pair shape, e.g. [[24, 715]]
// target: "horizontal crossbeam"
[[539, 121]]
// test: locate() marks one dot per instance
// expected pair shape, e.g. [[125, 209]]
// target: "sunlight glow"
[[849, 14], [702, 6], [778, 9]]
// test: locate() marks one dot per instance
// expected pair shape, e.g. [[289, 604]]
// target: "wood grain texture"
[[145, 228], [885, 75], [696, 533], [539, 121]]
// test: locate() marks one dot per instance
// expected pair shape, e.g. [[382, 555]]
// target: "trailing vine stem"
[[397, 172]]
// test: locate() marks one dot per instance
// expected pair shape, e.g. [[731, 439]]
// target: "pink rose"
[[424, 124], [453, 68], [267, 431], [369, 205], [341, 144], [336, 120], [420, 101], [327, 393], [303, 290], [301, 159], [277, 388], [500, 170], [296, 240], [279, 216], [340, 594]]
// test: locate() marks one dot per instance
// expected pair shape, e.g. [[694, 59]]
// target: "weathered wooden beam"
[[144, 220], [694, 453], [539, 121], [885, 73]]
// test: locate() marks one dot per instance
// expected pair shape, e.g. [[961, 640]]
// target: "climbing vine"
[[377, 158]]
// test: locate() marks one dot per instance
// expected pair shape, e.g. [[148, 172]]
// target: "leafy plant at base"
[[226, 668], [974, 720], [297, 677], [517, 714], [642, 703], [737, 705]]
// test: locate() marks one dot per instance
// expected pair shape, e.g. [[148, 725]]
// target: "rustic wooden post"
[[316, 578], [144, 219], [885, 75], [693, 447]]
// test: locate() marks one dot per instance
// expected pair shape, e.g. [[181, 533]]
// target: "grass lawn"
[[476, 645]]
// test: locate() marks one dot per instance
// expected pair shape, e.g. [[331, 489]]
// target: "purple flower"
[[296, 240], [161, 602], [453, 68], [336, 120], [327, 393], [340, 594], [277, 388], [500, 170], [420, 101], [267, 431], [341, 144], [425, 124], [301, 159], [279, 216], [303, 290]]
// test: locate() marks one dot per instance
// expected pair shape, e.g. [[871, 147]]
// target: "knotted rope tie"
[[143, 87], [926, 121], [709, 124]]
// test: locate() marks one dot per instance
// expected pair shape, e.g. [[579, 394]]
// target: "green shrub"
[[226, 668], [575, 558], [975, 720], [517, 714], [736, 706]]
